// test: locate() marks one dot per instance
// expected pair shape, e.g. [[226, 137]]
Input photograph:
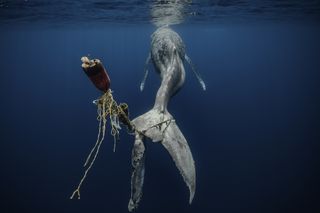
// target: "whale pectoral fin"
[[203, 85], [137, 178], [146, 72], [177, 146]]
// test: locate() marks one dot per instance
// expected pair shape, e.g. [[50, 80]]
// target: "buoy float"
[[96, 72], [107, 107]]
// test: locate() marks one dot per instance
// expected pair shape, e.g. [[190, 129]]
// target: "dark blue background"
[[254, 133]]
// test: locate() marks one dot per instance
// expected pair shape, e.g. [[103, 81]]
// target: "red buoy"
[[96, 72]]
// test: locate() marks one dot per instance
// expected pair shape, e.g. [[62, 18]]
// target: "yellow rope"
[[106, 106]]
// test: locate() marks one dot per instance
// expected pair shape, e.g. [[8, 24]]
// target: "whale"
[[168, 55]]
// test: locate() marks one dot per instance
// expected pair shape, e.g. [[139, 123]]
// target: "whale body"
[[167, 54]]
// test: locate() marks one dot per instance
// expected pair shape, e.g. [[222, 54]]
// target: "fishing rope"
[[106, 106]]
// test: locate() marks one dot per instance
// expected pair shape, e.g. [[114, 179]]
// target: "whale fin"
[[137, 178], [177, 146], [203, 85], [146, 72], [160, 127]]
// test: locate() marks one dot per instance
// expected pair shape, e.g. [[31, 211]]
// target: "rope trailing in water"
[[107, 106]]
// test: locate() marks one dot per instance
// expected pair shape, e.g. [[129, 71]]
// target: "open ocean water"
[[254, 133]]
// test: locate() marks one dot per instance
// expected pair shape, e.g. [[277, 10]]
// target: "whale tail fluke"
[[137, 178], [160, 127], [177, 146]]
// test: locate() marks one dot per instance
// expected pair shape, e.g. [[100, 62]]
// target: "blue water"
[[138, 11], [254, 133]]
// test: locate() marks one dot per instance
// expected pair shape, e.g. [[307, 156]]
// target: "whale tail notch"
[[160, 127]]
